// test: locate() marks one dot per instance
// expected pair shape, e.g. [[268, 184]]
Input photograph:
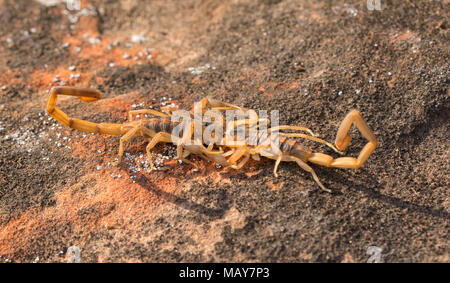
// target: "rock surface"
[[312, 60]]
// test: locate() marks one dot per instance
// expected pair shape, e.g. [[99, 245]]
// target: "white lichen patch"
[[25, 139], [32, 138], [201, 69], [138, 38], [139, 163]]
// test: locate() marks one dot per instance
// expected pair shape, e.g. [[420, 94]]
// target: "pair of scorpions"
[[159, 129]]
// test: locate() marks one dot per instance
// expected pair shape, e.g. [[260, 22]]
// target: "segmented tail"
[[87, 95]]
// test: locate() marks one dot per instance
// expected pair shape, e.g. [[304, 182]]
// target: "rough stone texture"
[[312, 60]]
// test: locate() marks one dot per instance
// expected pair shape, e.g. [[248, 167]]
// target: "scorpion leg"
[[159, 137], [277, 163], [145, 111], [181, 156], [294, 128], [218, 105], [223, 106], [131, 133], [295, 135], [243, 162], [343, 140], [307, 168], [228, 153], [203, 152], [209, 150], [300, 163], [168, 110], [237, 155]]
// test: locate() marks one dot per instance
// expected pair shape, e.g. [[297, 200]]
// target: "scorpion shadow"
[[223, 205], [369, 188]]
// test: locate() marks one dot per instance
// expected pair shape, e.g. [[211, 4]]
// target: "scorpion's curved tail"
[[87, 95]]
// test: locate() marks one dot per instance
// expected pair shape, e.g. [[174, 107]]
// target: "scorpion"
[[285, 149], [158, 129]]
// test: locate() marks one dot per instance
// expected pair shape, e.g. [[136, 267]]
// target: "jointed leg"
[[295, 135], [242, 163], [300, 163], [159, 137], [168, 110], [228, 153], [209, 150], [307, 168], [203, 152], [220, 106], [181, 155], [277, 163], [237, 155], [215, 104], [217, 158], [146, 111], [131, 133], [294, 128]]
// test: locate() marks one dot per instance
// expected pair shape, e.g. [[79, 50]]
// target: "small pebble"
[[74, 76], [138, 38]]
